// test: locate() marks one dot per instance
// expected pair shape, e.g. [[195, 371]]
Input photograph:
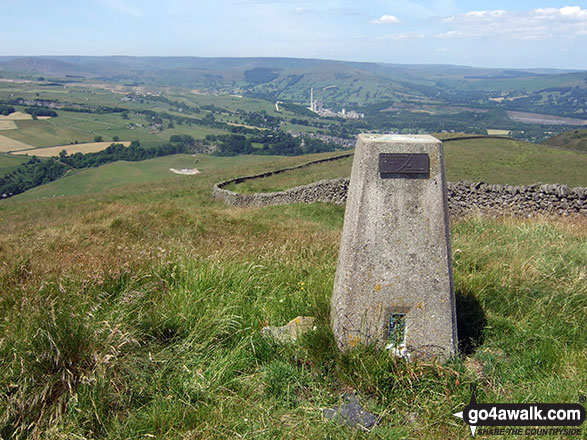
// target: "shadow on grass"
[[470, 322]]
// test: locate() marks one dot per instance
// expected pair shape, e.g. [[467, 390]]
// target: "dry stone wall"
[[463, 197]]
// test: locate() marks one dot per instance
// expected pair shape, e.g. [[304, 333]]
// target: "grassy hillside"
[[575, 140], [136, 313], [152, 173], [488, 160], [513, 162], [10, 163]]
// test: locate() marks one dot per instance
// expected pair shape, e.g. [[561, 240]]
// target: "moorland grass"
[[137, 313], [487, 160], [570, 140]]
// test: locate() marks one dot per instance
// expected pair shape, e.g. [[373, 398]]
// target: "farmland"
[[7, 125], [19, 116], [8, 144], [90, 147]]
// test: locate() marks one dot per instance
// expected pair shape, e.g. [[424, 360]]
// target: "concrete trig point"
[[394, 284]]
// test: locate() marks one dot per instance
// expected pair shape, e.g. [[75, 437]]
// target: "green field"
[[82, 127], [488, 160], [134, 311], [513, 162], [48, 133], [10, 163], [148, 175], [302, 176]]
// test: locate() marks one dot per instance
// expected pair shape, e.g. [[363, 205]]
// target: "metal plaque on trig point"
[[399, 163]]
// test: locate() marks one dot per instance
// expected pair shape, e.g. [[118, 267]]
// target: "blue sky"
[[493, 33]]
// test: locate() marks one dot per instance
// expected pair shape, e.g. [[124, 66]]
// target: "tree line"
[[272, 143], [37, 171]]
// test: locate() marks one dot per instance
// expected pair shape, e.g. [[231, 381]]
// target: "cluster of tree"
[[260, 75], [260, 119], [161, 118], [5, 110], [32, 102], [230, 144], [272, 143], [33, 173], [214, 108], [101, 109], [284, 144], [300, 122], [311, 123], [115, 152], [40, 111]]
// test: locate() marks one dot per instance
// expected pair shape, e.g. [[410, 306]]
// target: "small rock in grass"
[[292, 330], [351, 414]]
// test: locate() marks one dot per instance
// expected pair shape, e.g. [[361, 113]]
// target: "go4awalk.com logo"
[[562, 419]]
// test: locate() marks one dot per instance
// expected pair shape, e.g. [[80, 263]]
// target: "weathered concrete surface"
[[395, 253]]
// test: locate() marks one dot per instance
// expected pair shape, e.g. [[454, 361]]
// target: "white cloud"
[[537, 24], [484, 15], [386, 19], [575, 12], [402, 37], [452, 34], [410, 36]]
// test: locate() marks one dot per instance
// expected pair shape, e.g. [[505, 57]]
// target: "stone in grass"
[[292, 330], [351, 414]]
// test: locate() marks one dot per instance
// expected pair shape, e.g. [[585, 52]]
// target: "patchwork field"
[[20, 116], [7, 125], [47, 134], [8, 144], [495, 132], [89, 147]]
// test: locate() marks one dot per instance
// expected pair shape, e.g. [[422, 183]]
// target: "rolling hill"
[[337, 83], [571, 140]]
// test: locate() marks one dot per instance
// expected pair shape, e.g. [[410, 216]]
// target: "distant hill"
[[45, 66], [338, 83], [575, 140]]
